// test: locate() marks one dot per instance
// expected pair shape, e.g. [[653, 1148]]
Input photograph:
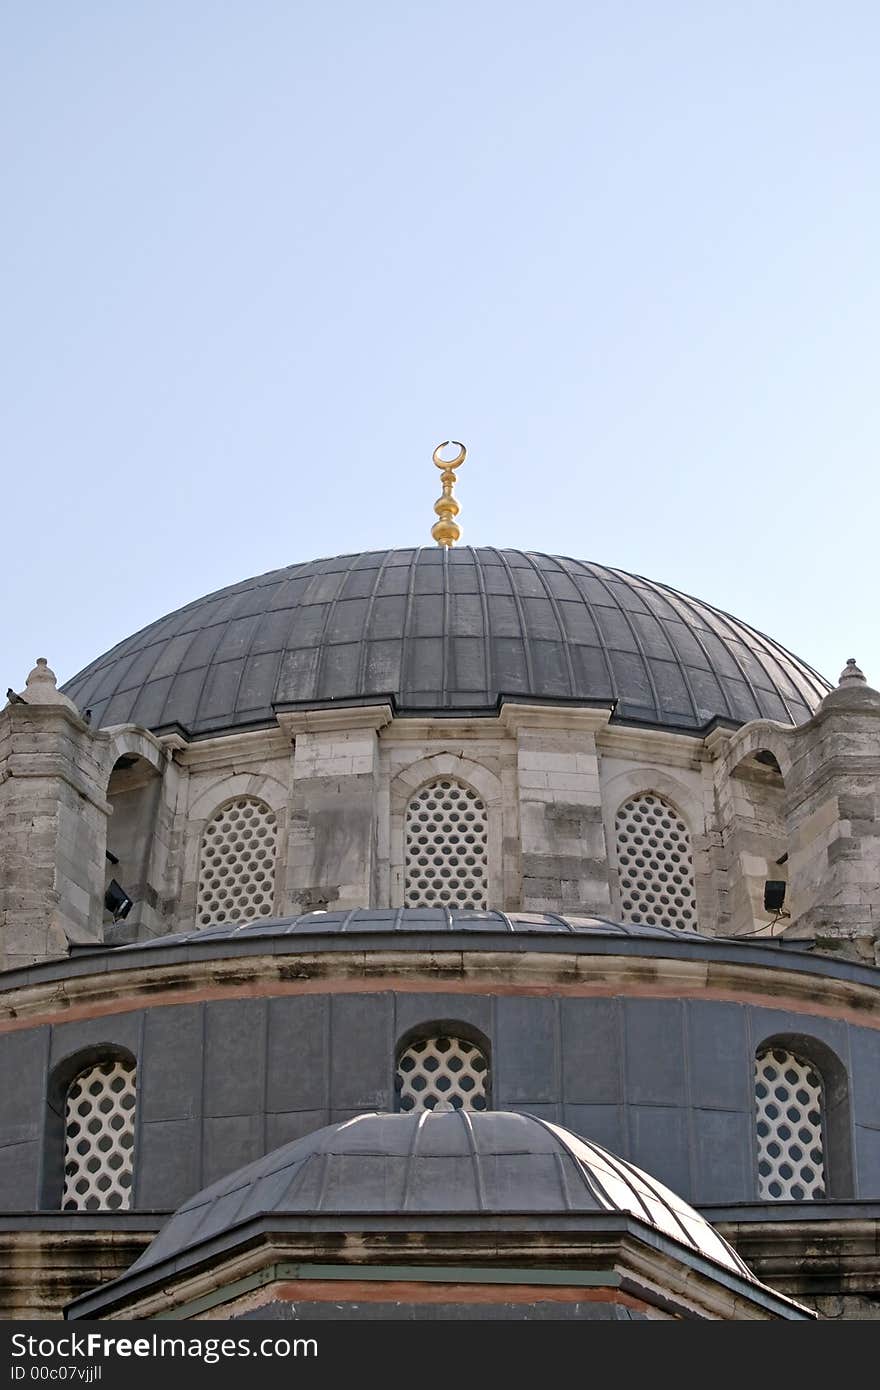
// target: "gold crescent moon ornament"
[[451, 463], [447, 531]]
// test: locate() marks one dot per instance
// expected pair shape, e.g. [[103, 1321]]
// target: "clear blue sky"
[[259, 258]]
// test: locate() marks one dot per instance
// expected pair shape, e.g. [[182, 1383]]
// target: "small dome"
[[436, 631], [452, 1163]]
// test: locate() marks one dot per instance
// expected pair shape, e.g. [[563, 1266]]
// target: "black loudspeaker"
[[117, 901], [774, 894]]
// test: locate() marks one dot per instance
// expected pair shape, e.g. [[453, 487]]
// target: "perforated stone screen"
[[446, 848], [443, 1069], [237, 869], [99, 1138], [654, 863], [789, 1101]]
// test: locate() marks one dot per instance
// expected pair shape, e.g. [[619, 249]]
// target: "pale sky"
[[258, 258]]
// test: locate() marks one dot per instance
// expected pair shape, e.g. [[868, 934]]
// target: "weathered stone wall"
[[45, 1264], [333, 822], [824, 1256], [53, 833], [830, 771], [339, 780], [835, 821], [564, 859]]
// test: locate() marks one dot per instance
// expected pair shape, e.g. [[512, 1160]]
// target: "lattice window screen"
[[237, 869], [99, 1138], [446, 848], [789, 1102], [443, 1070], [655, 864]]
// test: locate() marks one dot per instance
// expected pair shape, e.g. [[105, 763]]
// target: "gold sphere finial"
[[446, 531]]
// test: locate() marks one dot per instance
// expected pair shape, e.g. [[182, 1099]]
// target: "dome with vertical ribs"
[[444, 632]]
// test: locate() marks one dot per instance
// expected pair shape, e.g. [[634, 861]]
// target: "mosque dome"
[[437, 631], [434, 1165]]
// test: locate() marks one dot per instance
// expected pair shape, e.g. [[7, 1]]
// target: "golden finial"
[[446, 531]]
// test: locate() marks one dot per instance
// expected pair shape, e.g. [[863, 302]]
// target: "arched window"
[[237, 867], [790, 1113], [445, 1070], [133, 791], [754, 829], [446, 847], [99, 1109], [654, 863]]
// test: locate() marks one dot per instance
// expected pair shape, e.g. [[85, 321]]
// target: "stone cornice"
[[254, 746], [173, 742], [46, 1260], [73, 990], [623, 1254], [653, 746], [808, 1254], [561, 718], [54, 767], [21, 713], [717, 742], [331, 721], [836, 773], [451, 731]]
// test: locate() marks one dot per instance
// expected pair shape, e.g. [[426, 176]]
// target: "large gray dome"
[[444, 632], [430, 1164]]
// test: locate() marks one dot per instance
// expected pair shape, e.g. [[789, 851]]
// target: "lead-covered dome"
[[438, 631], [434, 1163]]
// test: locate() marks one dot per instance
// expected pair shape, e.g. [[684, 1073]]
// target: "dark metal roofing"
[[438, 631], [452, 1162], [440, 930], [377, 921]]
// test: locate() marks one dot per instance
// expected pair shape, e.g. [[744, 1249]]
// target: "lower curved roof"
[[443, 632], [404, 930], [454, 1162], [406, 920]]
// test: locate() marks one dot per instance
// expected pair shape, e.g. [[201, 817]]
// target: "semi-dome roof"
[[431, 1164], [440, 631]]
